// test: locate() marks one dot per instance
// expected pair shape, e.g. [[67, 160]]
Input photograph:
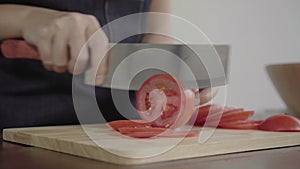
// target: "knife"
[[130, 64]]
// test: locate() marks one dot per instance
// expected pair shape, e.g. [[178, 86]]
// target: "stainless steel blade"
[[194, 65]]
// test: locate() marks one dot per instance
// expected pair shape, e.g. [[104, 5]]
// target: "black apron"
[[32, 96]]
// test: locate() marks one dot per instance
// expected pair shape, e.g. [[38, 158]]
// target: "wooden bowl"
[[286, 79]]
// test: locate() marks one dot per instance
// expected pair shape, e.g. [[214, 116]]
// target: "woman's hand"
[[59, 38], [204, 95]]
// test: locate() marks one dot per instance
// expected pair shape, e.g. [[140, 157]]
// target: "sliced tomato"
[[281, 123], [218, 114], [170, 134], [238, 115], [125, 130], [229, 115], [128, 123], [205, 110], [245, 125], [142, 134], [168, 115]]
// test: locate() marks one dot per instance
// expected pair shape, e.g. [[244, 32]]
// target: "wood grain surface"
[[116, 149]]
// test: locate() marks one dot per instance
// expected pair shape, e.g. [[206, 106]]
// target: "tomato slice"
[[125, 130], [237, 115], [281, 123], [169, 115], [153, 134], [128, 123], [228, 114], [245, 125], [142, 134], [143, 129], [205, 110]]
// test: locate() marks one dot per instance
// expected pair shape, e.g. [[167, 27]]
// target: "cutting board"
[[84, 141]]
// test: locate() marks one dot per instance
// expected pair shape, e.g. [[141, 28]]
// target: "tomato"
[[281, 123], [142, 134], [205, 110], [245, 125], [237, 115], [218, 114], [143, 129], [189, 108], [152, 134], [158, 89], [125, 130], [128, 123]]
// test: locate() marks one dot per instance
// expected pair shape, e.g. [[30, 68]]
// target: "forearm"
[[159, 24], [154, 38], [14, 18]]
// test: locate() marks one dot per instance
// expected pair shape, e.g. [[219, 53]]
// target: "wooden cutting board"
[[74, 140]]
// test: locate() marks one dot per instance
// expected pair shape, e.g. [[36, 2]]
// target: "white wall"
[[260, 32]]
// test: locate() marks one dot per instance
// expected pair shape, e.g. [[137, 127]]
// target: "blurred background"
[[260, 32]]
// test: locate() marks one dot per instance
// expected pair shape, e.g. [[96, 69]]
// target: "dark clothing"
[[32, 96]]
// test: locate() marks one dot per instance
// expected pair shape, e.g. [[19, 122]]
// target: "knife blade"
[[130, 64]]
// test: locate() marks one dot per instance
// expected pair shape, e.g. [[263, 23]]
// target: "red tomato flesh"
[[128, 123], [245, 125], [219, 114], [125, 130], [238, 115], [205, 110], [175, 101], [281, 123], [169, 134]]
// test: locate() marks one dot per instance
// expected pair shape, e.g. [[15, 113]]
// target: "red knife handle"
[[19, 49]]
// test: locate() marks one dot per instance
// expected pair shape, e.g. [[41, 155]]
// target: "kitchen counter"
[[20, 156]]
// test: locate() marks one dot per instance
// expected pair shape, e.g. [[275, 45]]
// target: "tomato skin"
[[125, 130], [243, 125], [218, 114], [189, 110], [142, 134], [239, 115], [205, 110], [169, 134], [174, 91], [281, 123], [128, 123]]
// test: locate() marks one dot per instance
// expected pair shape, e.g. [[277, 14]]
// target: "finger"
[[98, 55], [60, 52], [207, 94], [102, 70], [189, 107], [44, 49], [93, 26], [79, 53]]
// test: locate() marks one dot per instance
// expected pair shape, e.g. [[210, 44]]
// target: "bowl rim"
[[282, 64]]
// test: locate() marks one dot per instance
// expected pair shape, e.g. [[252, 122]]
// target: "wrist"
[[12, 19]]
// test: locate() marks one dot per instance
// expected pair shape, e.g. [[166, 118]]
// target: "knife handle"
[[19, 49]]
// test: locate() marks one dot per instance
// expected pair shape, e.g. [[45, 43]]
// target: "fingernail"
[[99, 79]]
